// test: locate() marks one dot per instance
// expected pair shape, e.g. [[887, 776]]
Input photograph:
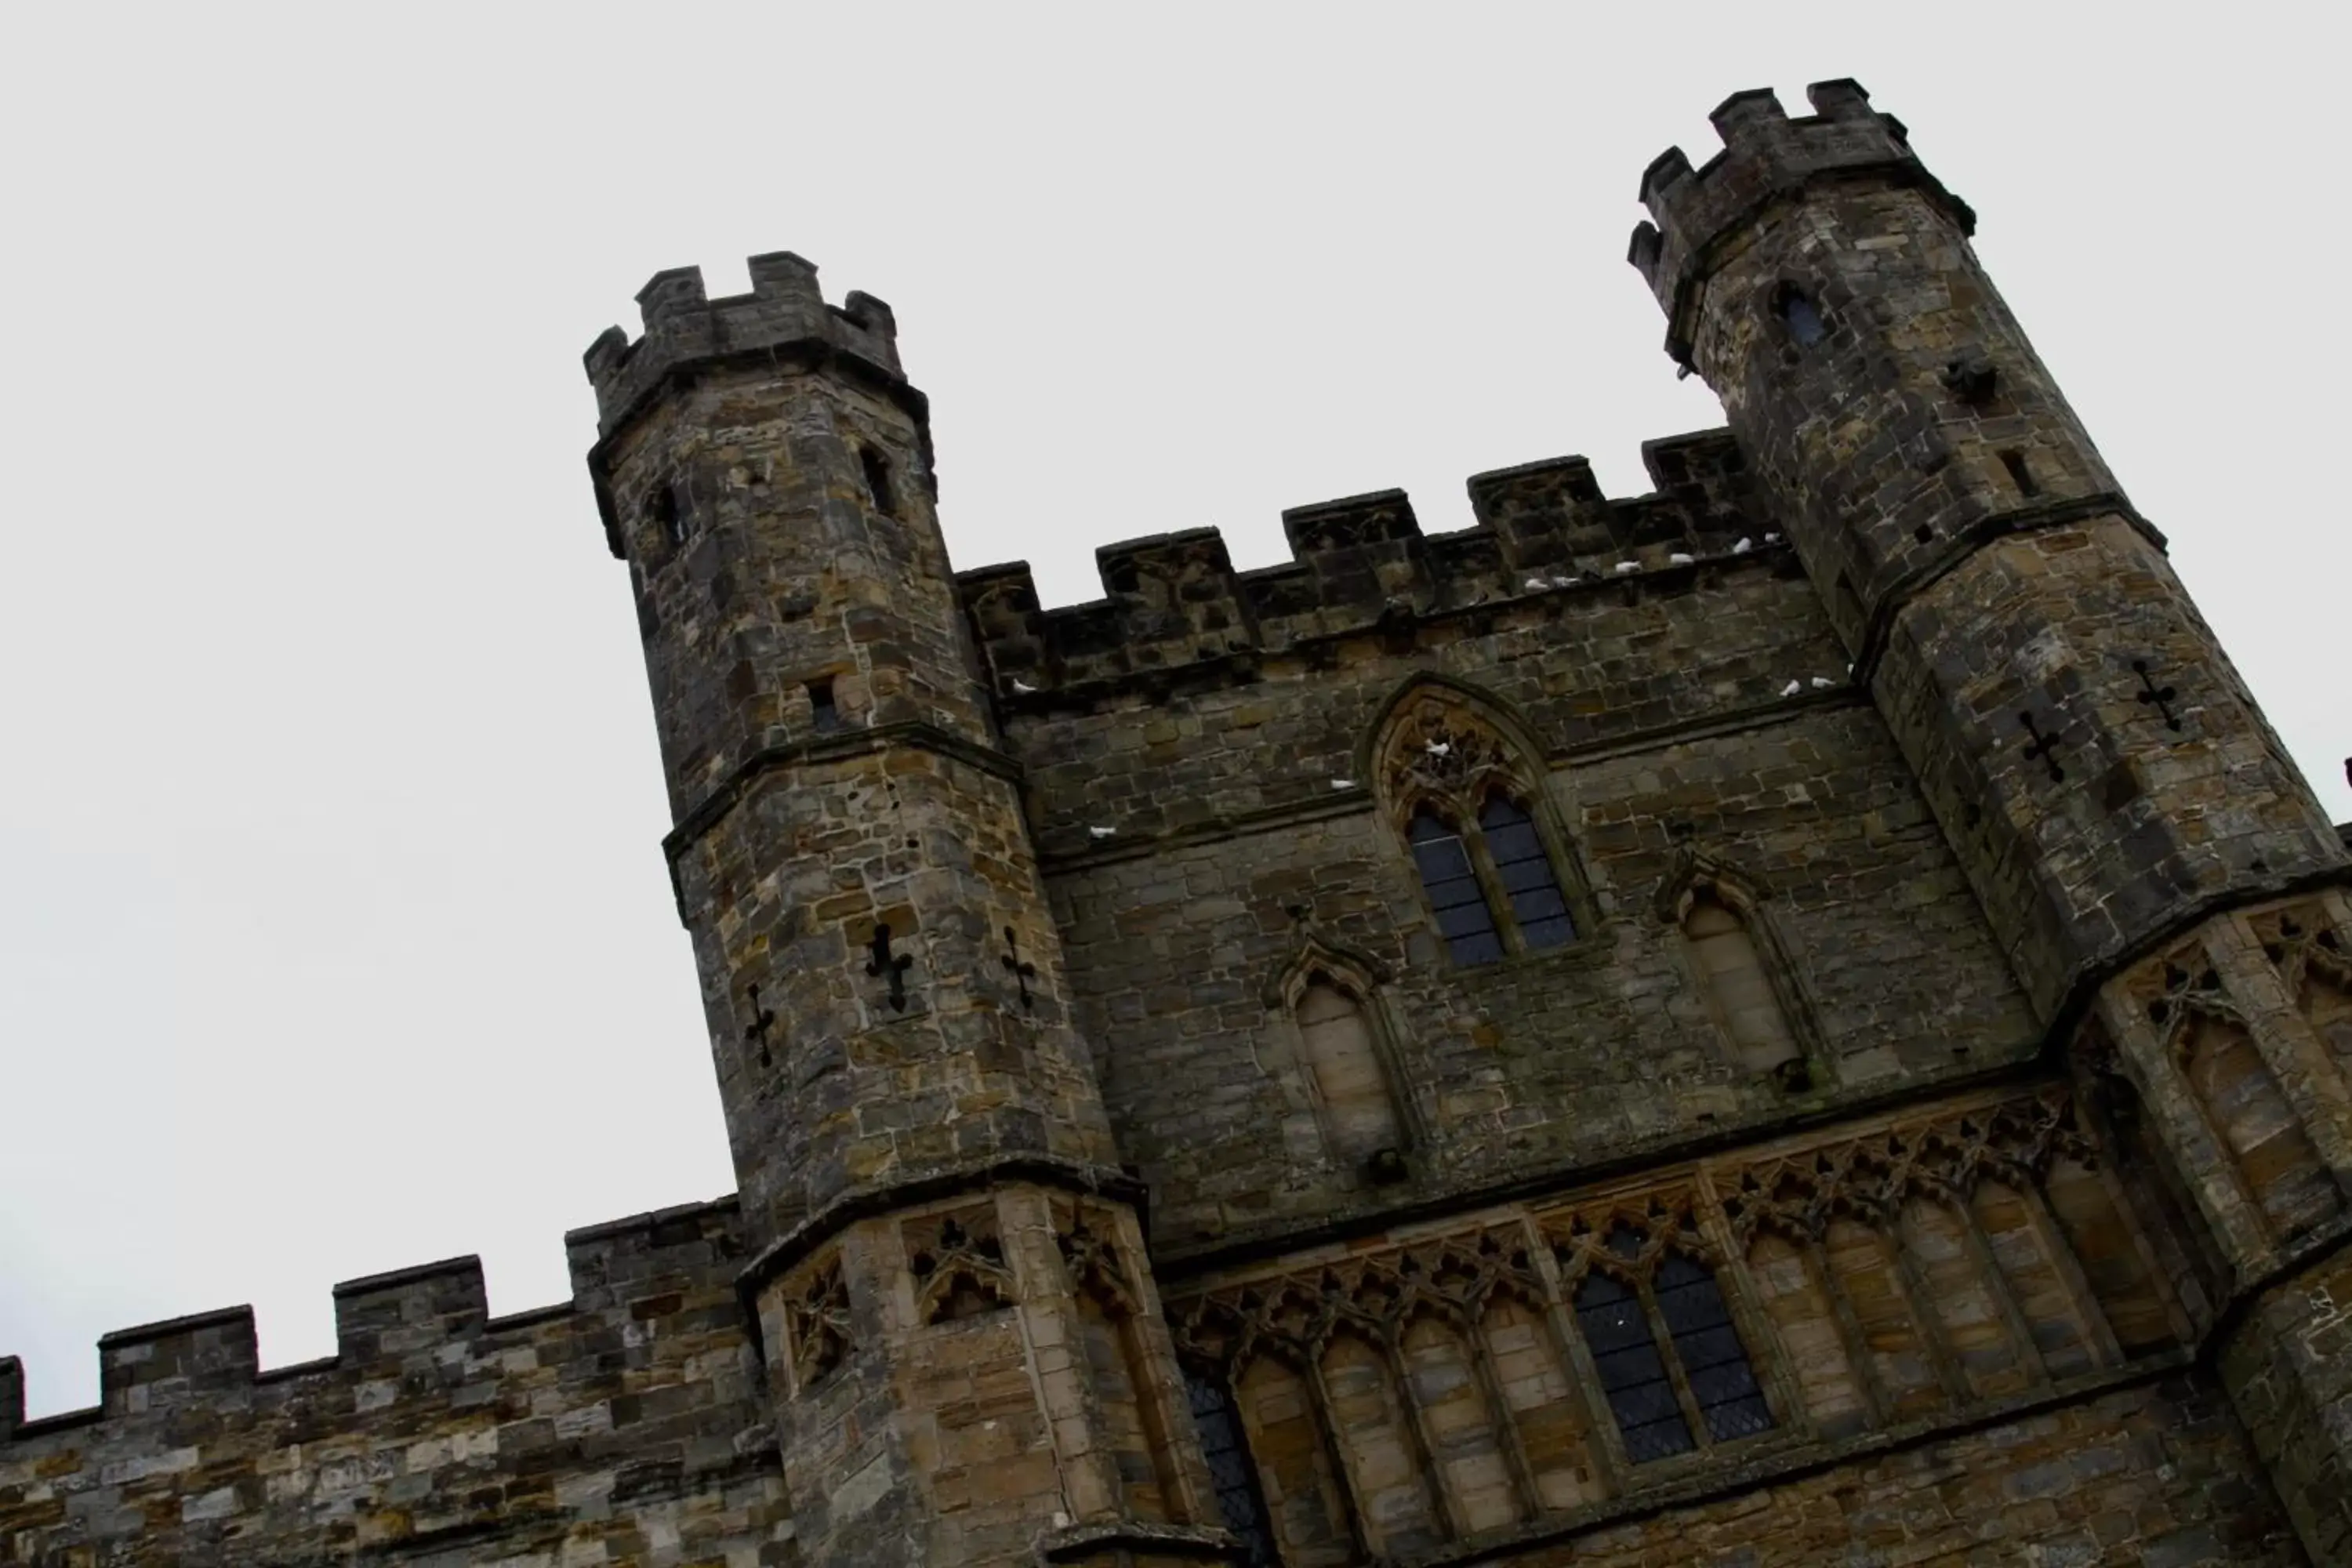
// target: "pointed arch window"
[[1666, 1348], [1732, 969], [1470, 806], [1359, 1114]]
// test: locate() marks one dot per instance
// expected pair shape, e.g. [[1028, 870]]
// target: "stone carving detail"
[[958, 1262], [2203, 1035], [2314, 963], [816, 1325], [1911, 1270], [1440, 751], [1296, 1316], [1092, 1257], [1868, 1178]]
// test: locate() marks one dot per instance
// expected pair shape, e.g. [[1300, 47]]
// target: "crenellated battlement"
[[640, 1267], [1362, 565], [784, 313], [1767, 157]]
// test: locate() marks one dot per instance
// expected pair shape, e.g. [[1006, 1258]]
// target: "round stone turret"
[[2015, 615], [913, 1114]]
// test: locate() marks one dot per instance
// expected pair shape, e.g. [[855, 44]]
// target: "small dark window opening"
[[1231, 1469], [668, 516], [1798, 313], [2018, 474], [877, 480], [1462, 917], [1633, 1375], [1537, 902], [821, 709]]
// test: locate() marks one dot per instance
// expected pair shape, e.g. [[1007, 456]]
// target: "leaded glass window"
[[1632, 1373], [1520, 861], [1714, 1361], [1230, 1469], [1456, 897], [1618, 1317]]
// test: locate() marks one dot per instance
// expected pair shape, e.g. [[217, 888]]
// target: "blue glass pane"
[[1484, 947], [1547, 933]]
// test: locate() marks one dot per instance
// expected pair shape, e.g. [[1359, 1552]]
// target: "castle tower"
[[2164, 882], [962, 1339]]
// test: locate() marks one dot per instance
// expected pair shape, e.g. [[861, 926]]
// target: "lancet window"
[[1748, 986], [1335, 1031]]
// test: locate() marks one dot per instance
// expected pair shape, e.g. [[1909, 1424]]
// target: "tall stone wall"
[[625, 1426]]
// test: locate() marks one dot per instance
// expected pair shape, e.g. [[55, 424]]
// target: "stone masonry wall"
[[627, 1426], [1208, 825], [2153, 1477]]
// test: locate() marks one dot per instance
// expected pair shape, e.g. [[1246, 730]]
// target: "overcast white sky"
[[334, 933]]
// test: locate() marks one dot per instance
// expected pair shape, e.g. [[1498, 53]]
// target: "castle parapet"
[[184, 1361], [642, 1267], [1362, 565], [1767, 157], [783, 315], [385, 1316]]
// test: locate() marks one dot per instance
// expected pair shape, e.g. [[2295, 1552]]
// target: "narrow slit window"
[[1802, 318], [877, 480], [1633, 1375], [2018, 474], [1232, 1471], [1708, 1346], [669, 517], [1462, 917], [1520, 861], [823, 713]]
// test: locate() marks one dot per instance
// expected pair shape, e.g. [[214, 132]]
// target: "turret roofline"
[[1767, 158]]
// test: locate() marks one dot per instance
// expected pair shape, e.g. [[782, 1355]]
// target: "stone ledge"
[[871, 1202]]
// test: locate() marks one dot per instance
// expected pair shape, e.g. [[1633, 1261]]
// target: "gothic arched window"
[[1664, 1347], [1733, 972], [1360, 1116], [1469, 807], [1632, 1373]]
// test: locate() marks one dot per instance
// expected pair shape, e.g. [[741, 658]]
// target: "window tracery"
[[2212, 1044], [1466, 801], [1541, 1362], [959, 1266], [1670, 1360], [817, 1327]]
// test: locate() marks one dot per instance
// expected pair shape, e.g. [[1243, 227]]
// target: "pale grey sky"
[[334, 934]]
